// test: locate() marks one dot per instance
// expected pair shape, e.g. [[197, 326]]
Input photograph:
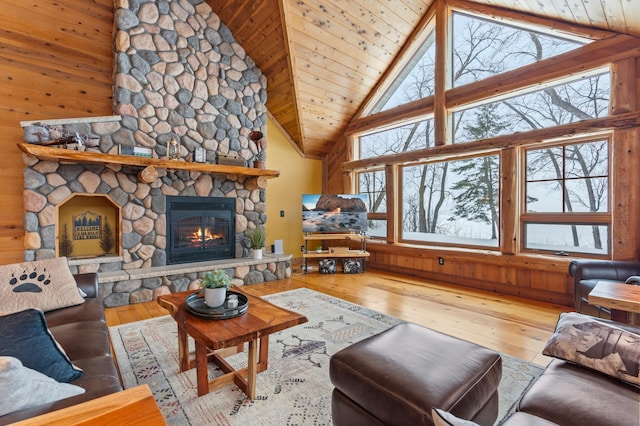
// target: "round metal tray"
[[196, 306]]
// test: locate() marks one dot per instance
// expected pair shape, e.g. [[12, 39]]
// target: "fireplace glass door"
[[200, 229]]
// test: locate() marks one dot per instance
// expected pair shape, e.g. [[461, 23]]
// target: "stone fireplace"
[[179, 74]]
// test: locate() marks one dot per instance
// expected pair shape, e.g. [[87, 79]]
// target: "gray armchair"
[[587, 272]]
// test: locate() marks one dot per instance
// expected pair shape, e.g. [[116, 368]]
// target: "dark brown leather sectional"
[[82, 332], [567, 394], [396, 377]]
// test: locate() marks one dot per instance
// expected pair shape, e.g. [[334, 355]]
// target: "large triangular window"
[[483, 48], [416, 81]]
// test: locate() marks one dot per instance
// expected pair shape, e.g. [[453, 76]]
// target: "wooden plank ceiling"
[[323, 57]]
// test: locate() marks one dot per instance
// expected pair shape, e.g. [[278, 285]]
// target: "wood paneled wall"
[[55, 62], [540, 278]]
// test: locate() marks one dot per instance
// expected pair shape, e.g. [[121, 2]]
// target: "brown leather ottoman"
[[397, 376]]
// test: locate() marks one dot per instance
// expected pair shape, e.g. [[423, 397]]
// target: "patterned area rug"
[[294, 390]]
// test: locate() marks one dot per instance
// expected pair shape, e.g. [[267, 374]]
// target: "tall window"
[[373, 183], [453, 202], [567, 193]]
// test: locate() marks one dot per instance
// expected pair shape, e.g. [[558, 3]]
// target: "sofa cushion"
[[90, 310], [85, 339], [590, 343], [24, 335], [567, 394], [100, 376], [44, 284], [24, 387]]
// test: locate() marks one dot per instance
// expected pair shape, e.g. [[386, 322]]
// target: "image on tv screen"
[[334, 213]]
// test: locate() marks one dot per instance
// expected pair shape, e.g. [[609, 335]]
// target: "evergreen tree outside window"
[[452, 202]]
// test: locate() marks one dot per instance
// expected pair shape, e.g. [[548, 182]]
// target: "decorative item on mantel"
[[261, 145], [230, 159], [257, 237], [215, 285], [200, 155], [58, 136], [173, 149]]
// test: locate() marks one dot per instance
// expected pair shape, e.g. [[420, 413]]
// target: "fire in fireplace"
[[200, 228]]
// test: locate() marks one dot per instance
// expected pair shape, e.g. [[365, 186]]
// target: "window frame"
[[422, 243], [565, 218], [545, 73]]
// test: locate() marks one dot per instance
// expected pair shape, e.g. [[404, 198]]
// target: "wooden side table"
[[254, 326], [619, 297]]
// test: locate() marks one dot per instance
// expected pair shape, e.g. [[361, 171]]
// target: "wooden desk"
[[618, 297], [261, 319]]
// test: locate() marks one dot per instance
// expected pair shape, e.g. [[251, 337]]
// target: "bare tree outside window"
[[571, 178], [457, 201]]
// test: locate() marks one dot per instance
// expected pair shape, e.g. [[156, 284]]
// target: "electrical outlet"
[[281, 213], [302, 249], [441, 261]]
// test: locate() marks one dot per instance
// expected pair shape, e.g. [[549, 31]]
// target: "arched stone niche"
[[88, 225]]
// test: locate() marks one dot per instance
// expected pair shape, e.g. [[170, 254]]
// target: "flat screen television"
[[334, 213]]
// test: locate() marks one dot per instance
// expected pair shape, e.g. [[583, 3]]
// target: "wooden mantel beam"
[[60, 154]]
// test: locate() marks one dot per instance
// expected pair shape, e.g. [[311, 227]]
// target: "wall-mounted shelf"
[[60, 154]]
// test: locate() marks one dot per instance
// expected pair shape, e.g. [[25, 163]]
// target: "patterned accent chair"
[[587, 272]]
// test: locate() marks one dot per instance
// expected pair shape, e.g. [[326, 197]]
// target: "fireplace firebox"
[[200, 229]]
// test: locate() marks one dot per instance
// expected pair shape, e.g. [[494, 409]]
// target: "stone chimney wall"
[[180, 73]]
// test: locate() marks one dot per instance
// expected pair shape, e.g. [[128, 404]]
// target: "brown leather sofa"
[[587, 272], [82, 332], [567, 394], [564, 394]]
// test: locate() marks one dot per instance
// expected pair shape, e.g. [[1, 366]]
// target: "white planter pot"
[[214, 297], [257, 253]]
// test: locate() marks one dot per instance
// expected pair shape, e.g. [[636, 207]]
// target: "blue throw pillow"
[[24, 335]]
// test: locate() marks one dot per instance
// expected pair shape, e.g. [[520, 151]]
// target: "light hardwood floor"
[[515, 326]]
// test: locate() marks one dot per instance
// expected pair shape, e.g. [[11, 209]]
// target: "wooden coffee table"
[[261, 319], [619, 297]]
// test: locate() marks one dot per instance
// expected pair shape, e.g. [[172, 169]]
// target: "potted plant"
[[258, 163], [215, 285], [257, 237]]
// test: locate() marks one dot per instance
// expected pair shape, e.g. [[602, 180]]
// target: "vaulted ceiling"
[[323, 58]]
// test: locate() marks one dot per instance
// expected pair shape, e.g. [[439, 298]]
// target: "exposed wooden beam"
[[585, 127]]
